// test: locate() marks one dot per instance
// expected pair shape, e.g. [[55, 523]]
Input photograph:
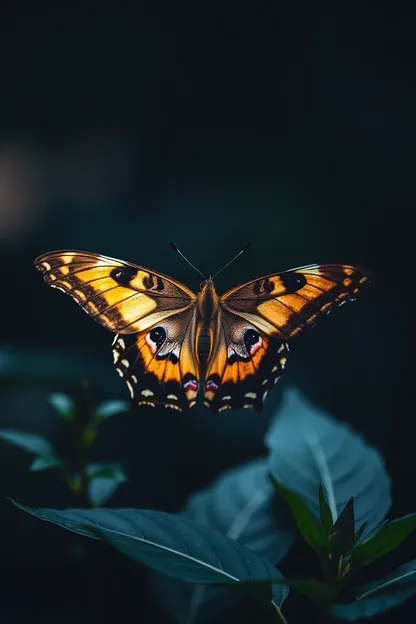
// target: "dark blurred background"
[[288, 126]]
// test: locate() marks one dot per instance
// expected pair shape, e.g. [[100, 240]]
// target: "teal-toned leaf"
[[170, 544], [304, 518], [375, 598], [106, 409], [240, 504], [388, 536], [28, 441], [63, 404], [105, 479], [324, 511], [308, 447], [45, 462]]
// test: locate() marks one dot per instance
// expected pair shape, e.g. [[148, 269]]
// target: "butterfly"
[[161, 326]]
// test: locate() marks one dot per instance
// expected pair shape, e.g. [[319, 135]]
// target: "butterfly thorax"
[[208, 303]]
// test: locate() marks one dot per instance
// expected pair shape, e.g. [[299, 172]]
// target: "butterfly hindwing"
[[244, 363], [159, 365], [283, 304]]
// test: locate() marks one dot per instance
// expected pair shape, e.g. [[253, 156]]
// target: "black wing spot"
[[148, 281], [293, 281], [263, 286], [123, 275], [251, 337], [158, 336]]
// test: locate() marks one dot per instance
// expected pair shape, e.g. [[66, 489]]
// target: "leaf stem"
[[279, 613]]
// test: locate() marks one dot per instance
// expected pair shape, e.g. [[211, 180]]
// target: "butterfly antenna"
[[231, 261], [175, 248]]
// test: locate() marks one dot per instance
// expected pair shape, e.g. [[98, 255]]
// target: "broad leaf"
[[240, 504], [63, 404], [304, 518], [374, 598], [308, 447], [45, 462], [170, 544], [28, 441], [105, 479], [382, 541]]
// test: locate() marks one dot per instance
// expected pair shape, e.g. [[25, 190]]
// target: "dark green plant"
[[93, 483], [232, 535]]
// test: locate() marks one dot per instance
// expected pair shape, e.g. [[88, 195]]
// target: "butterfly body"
[[171, 344]]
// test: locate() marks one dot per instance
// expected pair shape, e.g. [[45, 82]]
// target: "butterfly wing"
[[154, 317], [249, 348], [281, 305], [243, 364], [121, 296], [160, 364]]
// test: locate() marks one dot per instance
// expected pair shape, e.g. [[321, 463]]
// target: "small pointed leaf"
[[342, 535], [384, 540], [28, 441], [304, 518], [106, 409], [63, 404], [170, 544], [44, 462], [375, 598], [105, 479], [360, 532], [324, 511]]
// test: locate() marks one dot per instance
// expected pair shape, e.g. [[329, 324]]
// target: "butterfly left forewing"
[[160, 365], [121, 296]]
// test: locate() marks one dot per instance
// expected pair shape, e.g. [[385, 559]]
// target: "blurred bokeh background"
[[288, 126]]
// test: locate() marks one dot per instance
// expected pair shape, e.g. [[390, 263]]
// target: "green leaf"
[[375, 598], [342, 535], [28, 441], [360, 532], [170, 544], [308, 447], [106, 409], [320, 592], [305, 520], [105, 479], [44, 462], [324, 511], [63, 404], [239, 504], [385, 539]]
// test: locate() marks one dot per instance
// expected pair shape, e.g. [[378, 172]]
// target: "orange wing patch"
[[123, 297], [160, 365], [283, 304], [242, 366]]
